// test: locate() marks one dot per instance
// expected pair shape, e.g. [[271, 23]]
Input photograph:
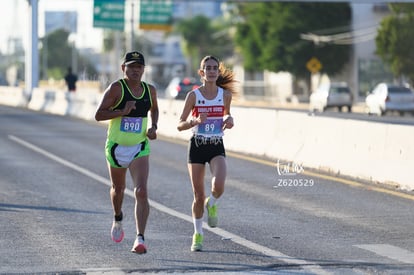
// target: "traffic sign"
[[155, 15], [109, 14], [314, 65]]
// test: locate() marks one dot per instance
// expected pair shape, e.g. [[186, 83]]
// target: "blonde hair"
[[226, 78]]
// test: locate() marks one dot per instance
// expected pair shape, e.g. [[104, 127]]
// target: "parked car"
[[387, 97], [333, 95], [178, 88]]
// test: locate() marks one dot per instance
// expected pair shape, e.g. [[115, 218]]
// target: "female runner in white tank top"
[[209, 107]]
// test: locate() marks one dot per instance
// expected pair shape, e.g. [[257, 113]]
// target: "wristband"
[[154, 125]]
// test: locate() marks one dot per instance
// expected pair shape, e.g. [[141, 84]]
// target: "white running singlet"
[[213, 126]]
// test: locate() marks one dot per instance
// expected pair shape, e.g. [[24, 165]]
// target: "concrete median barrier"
[[13, 96], [367, 150]]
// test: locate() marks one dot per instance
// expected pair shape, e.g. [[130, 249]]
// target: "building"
[[366, 69]]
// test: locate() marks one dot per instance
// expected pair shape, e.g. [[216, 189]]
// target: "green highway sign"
[[109, 14], [155, 15]]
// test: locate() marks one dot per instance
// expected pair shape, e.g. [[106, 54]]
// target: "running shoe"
[[139, 246], [117, 233], [212, 214], [197, 242]]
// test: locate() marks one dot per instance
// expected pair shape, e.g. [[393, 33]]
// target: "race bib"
[[211, 126], [131, 124]]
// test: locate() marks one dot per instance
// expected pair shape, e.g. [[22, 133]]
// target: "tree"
[[269, 36], [202, 36], [394, 40], [56, 55]]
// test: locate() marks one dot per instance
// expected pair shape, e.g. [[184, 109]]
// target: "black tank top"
[[143, 104]]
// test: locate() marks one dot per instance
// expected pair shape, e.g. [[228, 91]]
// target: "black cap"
[[134, 57]]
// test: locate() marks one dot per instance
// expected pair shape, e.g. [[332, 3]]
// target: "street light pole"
[[132, 37]]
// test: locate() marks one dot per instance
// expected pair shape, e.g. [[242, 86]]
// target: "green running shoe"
[[212, 214], [197, 242]]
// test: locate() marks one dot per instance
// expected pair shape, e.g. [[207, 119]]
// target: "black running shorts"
[[202, 150]]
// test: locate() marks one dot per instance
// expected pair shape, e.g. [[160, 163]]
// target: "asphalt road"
[[275, 217]]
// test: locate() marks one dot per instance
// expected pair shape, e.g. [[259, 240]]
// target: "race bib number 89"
[[211, 126], [131, 124]]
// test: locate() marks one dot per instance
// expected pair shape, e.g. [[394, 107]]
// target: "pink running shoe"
[[139, 245], [117, 233]]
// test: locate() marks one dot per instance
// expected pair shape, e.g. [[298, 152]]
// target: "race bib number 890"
[[131, 124]]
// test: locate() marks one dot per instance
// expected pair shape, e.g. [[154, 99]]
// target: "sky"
[[14, 21]]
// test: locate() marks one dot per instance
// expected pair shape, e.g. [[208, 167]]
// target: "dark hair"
[[226, 76]]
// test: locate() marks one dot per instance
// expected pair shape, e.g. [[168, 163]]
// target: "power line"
[[345, 38]]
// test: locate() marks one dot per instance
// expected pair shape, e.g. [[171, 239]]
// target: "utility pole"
[[32, 50]]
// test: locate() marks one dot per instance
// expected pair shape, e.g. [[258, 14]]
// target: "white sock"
[[140, 238], [212, 200], [198, 225]]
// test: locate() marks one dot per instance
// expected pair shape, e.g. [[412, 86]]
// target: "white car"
[[389, 97], [333, 95]]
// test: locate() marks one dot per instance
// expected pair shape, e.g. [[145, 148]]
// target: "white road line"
[[390, 251], [306, 265]]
